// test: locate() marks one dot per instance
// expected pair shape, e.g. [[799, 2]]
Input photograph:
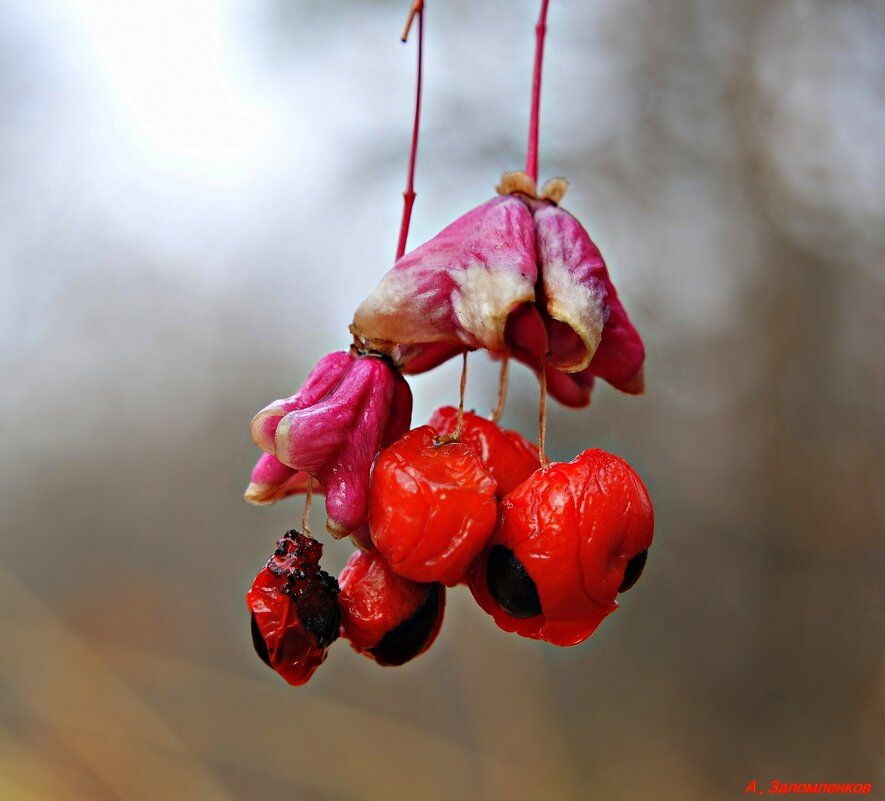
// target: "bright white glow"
[[177, 74]]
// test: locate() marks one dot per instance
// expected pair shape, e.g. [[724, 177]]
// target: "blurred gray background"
[[196, 194]]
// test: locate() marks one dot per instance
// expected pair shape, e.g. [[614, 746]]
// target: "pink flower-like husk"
[[573, 290], [271, 481], [319, 382], [571, 323], [348, 408], [576, 287], [457, 289], [620, 356], [399, 418], [336, 438]]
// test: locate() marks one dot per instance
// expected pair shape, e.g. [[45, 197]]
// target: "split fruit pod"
[[432, 507], [569, 539], [384, 616], [509, 456], [294, 606]]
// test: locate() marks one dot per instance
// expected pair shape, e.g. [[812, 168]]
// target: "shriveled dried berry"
[[294, 606], [385, 616], [510, 457], [431, 508], [578, 530]]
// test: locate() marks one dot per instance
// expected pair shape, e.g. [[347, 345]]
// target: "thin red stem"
[[531, 157], [409, 195]]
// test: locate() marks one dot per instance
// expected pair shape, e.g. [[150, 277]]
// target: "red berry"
[[385, 616], [431, 508], [294, 606], [569, 539], [510, 457]]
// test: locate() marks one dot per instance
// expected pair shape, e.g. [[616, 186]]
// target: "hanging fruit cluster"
[[545, 548]]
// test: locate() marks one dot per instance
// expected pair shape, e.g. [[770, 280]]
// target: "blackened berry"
[[294, 606]]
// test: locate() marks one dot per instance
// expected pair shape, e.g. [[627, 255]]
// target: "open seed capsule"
[[569, 539], [294, 607], [387, 617]]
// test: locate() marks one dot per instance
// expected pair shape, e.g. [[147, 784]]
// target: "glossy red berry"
[[510, 457], [569, 539], [432, 507], [294, 606], [385, 616]]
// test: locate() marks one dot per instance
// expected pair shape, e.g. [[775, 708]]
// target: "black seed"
[[511, 586], [259, 643], [633, 571], [407, 640], [318, 608]]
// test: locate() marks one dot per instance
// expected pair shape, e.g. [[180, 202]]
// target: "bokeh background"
[[196, 194]]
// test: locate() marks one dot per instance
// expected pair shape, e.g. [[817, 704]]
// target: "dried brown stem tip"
[[460, 426], [519, 183], [502, 389], [305, 518], [416, 8]]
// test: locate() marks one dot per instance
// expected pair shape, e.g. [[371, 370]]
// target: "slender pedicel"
[[502, 389], [531, 158], [417, 9]]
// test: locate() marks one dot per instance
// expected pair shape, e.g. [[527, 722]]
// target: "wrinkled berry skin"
[[384, 616], [432, 507], [294, 606], [510, 457], [572, 528]]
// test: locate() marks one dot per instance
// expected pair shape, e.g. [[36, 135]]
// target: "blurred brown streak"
[[821, 497], [89, 700]]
